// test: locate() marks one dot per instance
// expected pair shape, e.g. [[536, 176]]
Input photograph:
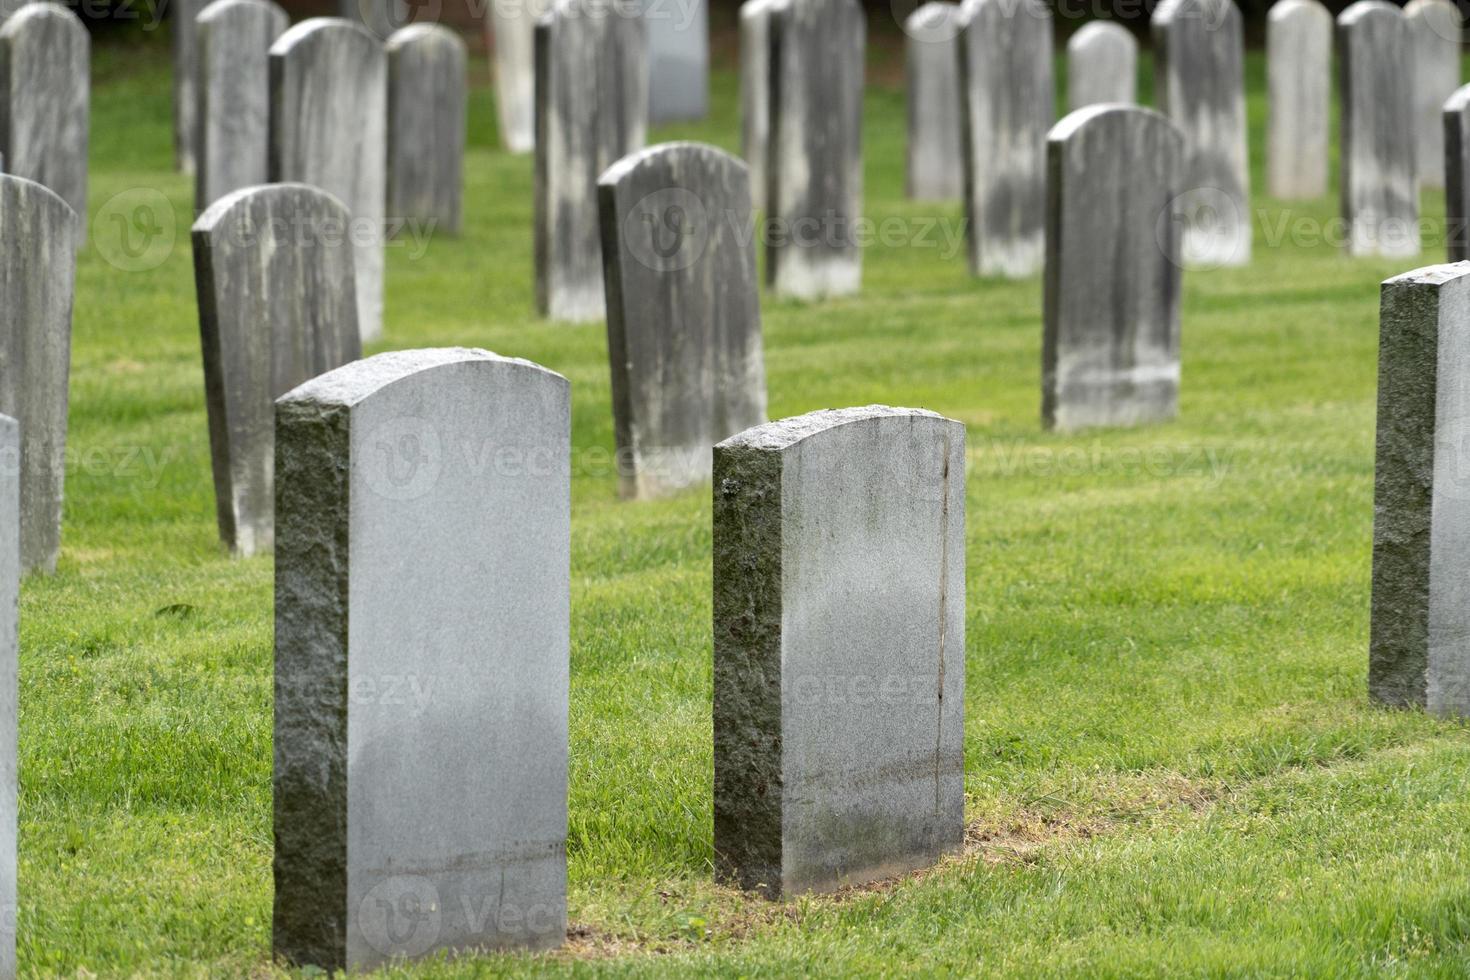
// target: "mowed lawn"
[[1172, 764]]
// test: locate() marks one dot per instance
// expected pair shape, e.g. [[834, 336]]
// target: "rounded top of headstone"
[[37, 195], [318, 30], [1111, 113], [436, 34], [320, 200], [352, 383], [934, 21], [1431, 275], [1368, 8], [1004, 9], [1101, 30], [218, 9], [1458, 101], [672, 154], [784, 433], [1211, 14], [34, 16], [758, 8], [1287, 8]]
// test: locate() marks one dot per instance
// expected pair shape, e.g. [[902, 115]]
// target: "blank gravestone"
[[592, 110], [683, 312], [426, 127], [1102, 65], [45, 84], [678, 59], [1380, 196], [273, 271], [755, 92], [186, 81], [10, 567], [422, 534], [935, 170], [839, 649], [1110, 351], [39, 232], [1420, 635], [1199, 84], [233, 41], [814, 159], [1457, 174], [1009, 103], [510, 32], [1434, 63], [1299, 89], [329, 114]]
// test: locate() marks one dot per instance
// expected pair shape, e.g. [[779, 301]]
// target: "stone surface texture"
[[1102, 65], [426, 127], [755, 92], [510, 32], [1299, 93], [45, 96], [936, 171], [185, 14], [1435, 33], [678, 59]]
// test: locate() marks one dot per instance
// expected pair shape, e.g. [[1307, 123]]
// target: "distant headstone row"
[[45, 94]]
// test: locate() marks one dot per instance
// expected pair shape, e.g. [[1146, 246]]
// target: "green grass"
[[1172, 766]]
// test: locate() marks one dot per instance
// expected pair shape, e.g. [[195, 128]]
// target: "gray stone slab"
[[936, 171], [814, 158], [839, 649], [185, 14], [1377, 185], [1199, 84], [277, 307], [422, 640], [683, 312], [1299, 92], [1009, 104], [1419, 651], [510, 33], [9, 682], [329, 119], [45, 93], [426, 126], [592, 110], [380, 17], [1457, 174], [1110, 351], [755, 92], [232, 140], [1102, 65], [1435, 33], [40, 234], [678, 59]]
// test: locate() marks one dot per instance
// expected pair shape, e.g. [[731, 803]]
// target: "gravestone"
[[1457, 174], [1102, 65], [1379, 193], [328, 120], [426, 126], [592, 110], [678, 59], [45, 84], [186, 81], [380, 17], [683, 312], [233, 39], [1110, 350], [40, 235], [839, 653], [1435, 31], [1199, 84], [935, 172], [816, 56], [510, 32], [1009, 103], [277, 307], [1419, 651], [9, 682], [420, 749], [755, 92], [1299, 87]]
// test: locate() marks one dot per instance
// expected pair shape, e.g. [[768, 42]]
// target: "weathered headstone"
[[45, 93], [510, 31], [814, 157], [186, 80], [1199, 84], [1009, 103], [422, 621], [839, 654], [683, 312], [1102, 65], [1457, 174], [1299, 85], [426, 126], [39, 232], [678, 59], [1380, 196], [10, 568], [755, 92], [935, 170], [380, 17], [328, 119], [1435, 31], [277, 307], [1110, 351], [232, 138], [1419, 651], [592, 110]]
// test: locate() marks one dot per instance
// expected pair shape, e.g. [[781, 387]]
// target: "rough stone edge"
[[784, 433], [350, 384]]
